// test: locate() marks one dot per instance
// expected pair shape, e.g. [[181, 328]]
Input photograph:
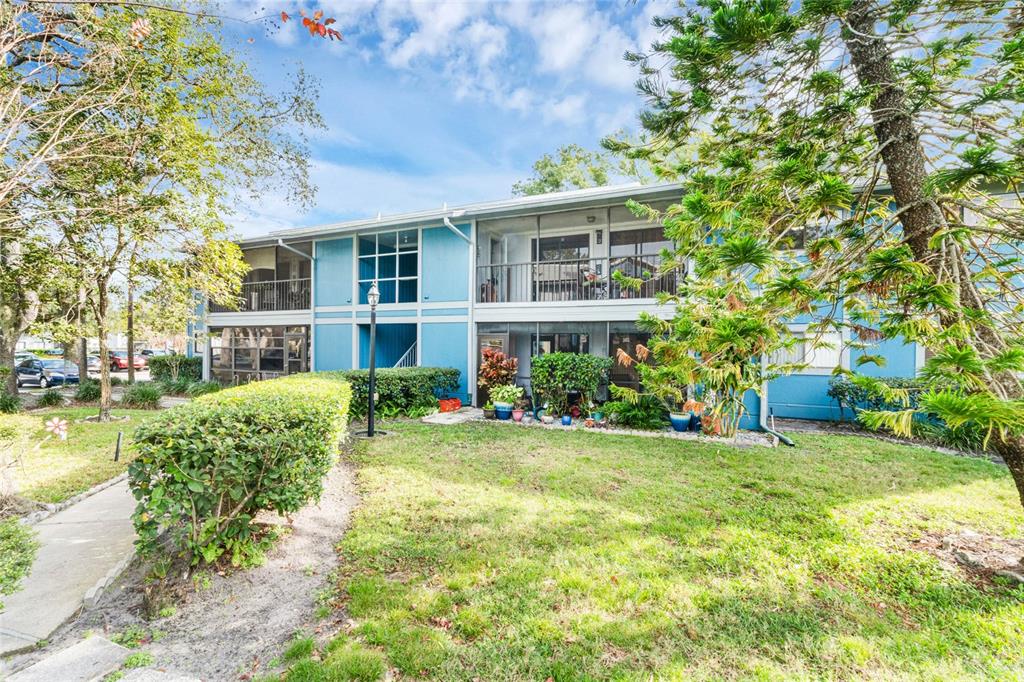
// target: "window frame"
[[840, 350], [363, 283]]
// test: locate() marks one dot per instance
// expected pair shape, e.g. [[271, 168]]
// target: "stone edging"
[[92, 596], [51, 509]]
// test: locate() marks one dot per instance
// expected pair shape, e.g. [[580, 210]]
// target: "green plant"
[[88, 391], [488, 405], [506, 393], [51, 398], [300, 647], [206, 468], [9, 404], [856, 394], [202, 388], [398, 389], [554, 376], [350, 660], [496, 369], [132, 637], [175, 367], [644, 411], [17, 552], [139, 659], [142, 395], [179, 386], [117, 381]]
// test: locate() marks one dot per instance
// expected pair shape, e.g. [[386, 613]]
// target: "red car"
[[119, 361]]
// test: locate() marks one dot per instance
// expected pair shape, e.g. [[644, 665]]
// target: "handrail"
[[271, 296], [408, 359]]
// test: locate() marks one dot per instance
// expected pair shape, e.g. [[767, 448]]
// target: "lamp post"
[[373, 298]]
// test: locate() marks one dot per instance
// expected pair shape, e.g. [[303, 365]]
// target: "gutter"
[[280, 242], [457, 231], [762, 417]]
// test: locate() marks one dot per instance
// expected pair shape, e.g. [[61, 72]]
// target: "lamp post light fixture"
[[373, 298]]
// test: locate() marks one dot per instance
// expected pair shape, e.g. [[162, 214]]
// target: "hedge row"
[[400, 390], [849, 395], [206, 468], [175, 367]]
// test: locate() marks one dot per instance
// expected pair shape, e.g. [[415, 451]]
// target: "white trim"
[[471, 354], [919, 356], [335, 320], [333, 309], [311, 360], [575, 311], [258, 319]]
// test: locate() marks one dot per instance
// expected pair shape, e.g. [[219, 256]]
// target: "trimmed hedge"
[[400, 390], [162, 368], [553, 376], [206, 468]]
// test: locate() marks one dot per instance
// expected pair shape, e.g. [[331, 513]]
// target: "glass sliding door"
[[239, 355]]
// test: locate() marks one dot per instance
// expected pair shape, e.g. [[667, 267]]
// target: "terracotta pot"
[[517, 415]]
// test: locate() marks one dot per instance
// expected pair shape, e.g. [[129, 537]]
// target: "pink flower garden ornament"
[[58, 427]]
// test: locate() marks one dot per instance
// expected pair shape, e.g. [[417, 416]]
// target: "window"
[[239, 355], [560, 343], [392, 258], [827, 355], [566, 247]]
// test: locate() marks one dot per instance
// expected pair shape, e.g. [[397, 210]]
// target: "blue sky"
[[432, 102]]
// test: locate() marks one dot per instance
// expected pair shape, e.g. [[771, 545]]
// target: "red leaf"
[[312, 29], [306, 22], [321, 29], [329, 22], [284, 16], [317, 14]]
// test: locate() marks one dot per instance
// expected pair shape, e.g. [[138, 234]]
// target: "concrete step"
[[88, 660]]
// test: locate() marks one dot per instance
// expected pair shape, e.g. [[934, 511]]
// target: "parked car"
[[119, 360], [94, 363], [151, 352], [44, 373], [22, 356]]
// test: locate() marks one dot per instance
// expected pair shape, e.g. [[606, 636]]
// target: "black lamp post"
[[373, 298]]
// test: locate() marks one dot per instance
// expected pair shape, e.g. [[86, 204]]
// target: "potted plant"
[[518, 411], [505, 397], [488, 410], [566, 420]]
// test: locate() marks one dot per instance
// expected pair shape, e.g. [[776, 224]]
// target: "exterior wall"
[[333, 346], [332, 272], [446, 344], [444, 265]]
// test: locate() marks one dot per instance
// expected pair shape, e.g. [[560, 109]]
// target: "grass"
[[17, 552], [490, 552], [61, 469]]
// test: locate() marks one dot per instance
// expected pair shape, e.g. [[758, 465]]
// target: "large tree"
[[886, 139], [184, 130]]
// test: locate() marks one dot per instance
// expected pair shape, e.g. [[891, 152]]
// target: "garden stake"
[[117, 448]]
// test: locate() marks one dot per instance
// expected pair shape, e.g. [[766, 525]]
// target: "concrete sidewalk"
[[79, 547]]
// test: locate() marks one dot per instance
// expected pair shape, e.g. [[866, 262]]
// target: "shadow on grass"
[[588, 556]]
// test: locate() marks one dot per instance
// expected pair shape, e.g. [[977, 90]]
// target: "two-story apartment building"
[[527, 275]]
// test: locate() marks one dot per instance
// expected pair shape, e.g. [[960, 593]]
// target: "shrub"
[[51, 398], [9, 404], [400, 390], [647, 412], [555, 375], [174, 367], [116, 381], [88, 391], [849, 394], [143, 395], [496, 369], [177, 386], [206, 468], [202, 388], [506, 393], [17, 552]]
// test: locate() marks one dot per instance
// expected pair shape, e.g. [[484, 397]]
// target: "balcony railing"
[[584, 279], [284, 294]]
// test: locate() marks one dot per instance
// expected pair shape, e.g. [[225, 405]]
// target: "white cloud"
[[569, 109]]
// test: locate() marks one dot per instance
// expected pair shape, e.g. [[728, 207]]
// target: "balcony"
[[280, 295], [584, 279]]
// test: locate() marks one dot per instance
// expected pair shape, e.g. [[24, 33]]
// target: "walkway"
[[79, 546]]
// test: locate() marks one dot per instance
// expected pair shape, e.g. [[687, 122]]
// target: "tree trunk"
[[905, 164], [83, 343], [101, 329], [7, 346], [131, 333], [19, 307]]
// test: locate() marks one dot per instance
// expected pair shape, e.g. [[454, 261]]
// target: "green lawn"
[[59, 470], [501, 553]]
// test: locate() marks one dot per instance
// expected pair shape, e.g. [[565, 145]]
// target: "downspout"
[[457, 231], [280, 242], [762, 417]]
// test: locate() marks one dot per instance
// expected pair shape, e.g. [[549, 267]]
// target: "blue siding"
[[445, 275], [384, 312], [393, 340], [802, 396], [434, 312], [333, 272], [332, 345], [900, 359], [445, 344]]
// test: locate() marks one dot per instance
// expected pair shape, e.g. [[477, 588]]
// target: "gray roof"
[[556, 201]]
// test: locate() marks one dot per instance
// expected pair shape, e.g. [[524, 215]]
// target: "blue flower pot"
[[503, 412], [566, 420], [680, 422]]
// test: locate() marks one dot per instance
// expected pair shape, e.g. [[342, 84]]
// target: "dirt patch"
[[982, 557], [230, 625]]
